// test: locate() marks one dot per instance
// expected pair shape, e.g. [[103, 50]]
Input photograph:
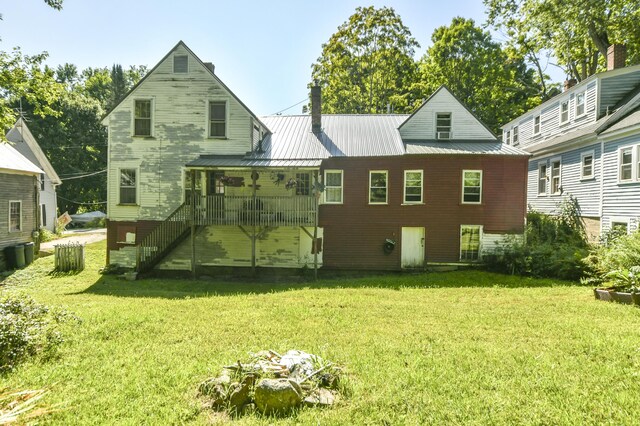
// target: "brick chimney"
[[568, 84], [316, 108], [616, 56], [211, 67]]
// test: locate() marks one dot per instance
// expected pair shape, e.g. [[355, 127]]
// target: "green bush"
[[46, 235], [615, 260], [27, 329], [554, 246]]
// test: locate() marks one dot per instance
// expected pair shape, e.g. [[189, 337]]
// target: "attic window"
[[443, 125], [180, 64]]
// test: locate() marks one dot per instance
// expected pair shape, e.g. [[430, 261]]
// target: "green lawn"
[[461, 347]]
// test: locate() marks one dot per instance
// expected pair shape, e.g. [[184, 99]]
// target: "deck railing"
[[260, 210], [162, 239]]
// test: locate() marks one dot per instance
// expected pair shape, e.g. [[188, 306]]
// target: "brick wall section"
[[355, 231]]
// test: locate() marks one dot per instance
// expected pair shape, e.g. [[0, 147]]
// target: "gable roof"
[[215, 77], [11, 160], [446, 89], [25, 143]]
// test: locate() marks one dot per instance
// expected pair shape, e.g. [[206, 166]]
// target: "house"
[[24, 142], [195, 178], [585, 143], [19, 199]]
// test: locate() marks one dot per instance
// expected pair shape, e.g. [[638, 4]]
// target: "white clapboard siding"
[[464, 126], [179, 135], [586, 191], [493, 242], [550, 117]]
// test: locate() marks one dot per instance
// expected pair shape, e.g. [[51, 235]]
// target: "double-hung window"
[[142, 117], [303, 183], [128, 188], [626, 164], [586, 165], [443, 125], [180, 64], [41, 181], [536, 125], [564, 112], [542, 179], [507, 137], [333, 186], [580, 108], [470, 241], [413, 186], [515, 135], [378, 187], [556, 187], [471, 186], [217, 119], [15, 216]]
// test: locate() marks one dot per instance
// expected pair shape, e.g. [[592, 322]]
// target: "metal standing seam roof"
[[235, 161], [478, 147], [11, 159]]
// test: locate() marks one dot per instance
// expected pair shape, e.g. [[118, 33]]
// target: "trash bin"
[[19, 250], [10, 257], [28, 253]]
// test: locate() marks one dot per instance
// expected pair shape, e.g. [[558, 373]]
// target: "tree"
[[576, 33], [495, 86], [367, 66], [118, 85]]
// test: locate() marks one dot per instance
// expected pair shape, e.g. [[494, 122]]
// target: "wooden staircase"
[[164, 238]]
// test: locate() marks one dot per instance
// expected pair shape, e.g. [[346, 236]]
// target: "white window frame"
[[545, 177], [152, 119], [616, 219], [42, 178], [43, 215], [450, 131], [559, 161], [539, 124], [480, 237], [226, 118], [176, 55], [11, 231], [464, 172], [560, 111], [137, 186], [584, 104], [326, 186], [386, 187], [584, 155], [508, 137], [404, 195], [621, 150], [515, 136]]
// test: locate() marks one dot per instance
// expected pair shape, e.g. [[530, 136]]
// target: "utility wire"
[[80, 202], [296, 104], [84, 176]]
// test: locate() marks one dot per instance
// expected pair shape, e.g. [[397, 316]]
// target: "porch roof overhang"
[[241, 161]]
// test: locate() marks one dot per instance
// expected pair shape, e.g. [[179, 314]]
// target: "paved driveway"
[[81, 236]]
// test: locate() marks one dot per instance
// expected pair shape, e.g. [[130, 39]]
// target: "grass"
[[457, 348]]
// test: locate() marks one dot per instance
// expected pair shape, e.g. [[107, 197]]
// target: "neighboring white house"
[[585, 142], [23, 141]]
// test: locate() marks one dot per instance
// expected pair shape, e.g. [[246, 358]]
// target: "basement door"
[[412, 247]]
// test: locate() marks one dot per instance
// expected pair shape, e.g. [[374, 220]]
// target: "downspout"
[[601, 209]]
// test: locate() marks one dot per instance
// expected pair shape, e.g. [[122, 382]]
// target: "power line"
[[82, 203], [296, 104], [83, 176]]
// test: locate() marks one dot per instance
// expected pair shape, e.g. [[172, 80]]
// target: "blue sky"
[[262, 50]]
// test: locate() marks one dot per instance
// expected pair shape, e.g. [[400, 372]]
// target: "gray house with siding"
[[25, 143], [585, 142], [19, 193]]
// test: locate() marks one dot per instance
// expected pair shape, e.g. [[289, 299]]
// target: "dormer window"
[[564, 112], [580, 104], [507, 137], [515, 135], [536, 124], [180, 64], [443, 125]]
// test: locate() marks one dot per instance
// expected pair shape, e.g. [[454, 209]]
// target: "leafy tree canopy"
[[577, 33], [368, 64], [495, 86]]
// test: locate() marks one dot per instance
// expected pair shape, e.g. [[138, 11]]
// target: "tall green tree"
[[576, 33], [465, 58], [118, 85], [368, 64]]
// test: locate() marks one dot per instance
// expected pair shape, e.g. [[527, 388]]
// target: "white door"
[[412, 247]]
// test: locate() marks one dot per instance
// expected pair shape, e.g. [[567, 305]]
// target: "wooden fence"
[[69, 257]]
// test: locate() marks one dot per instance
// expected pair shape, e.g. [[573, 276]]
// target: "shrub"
[[46, 235], [618, 257], [554, 246], [27, 329]]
